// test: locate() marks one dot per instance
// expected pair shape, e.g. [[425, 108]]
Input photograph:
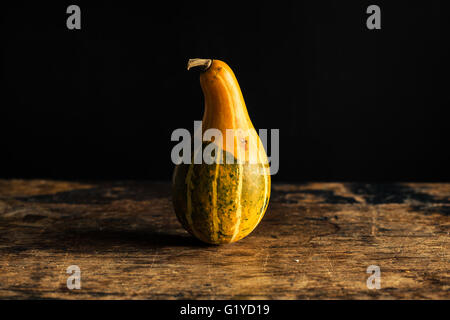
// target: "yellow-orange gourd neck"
[[225, 109], [224, 104]]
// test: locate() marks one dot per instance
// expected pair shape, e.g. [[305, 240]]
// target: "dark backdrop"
[[101, 102]]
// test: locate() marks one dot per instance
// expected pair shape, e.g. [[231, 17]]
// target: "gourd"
[[224, 201]]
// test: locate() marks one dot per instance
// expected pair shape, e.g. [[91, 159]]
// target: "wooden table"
[[316, 241]]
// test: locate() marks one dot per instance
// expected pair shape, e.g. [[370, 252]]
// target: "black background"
[[102, 102]]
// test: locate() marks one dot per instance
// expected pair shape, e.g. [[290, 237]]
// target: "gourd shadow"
[[66, 230], [119, 240]]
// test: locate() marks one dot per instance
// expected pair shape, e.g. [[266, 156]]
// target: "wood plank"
[[316, 241]]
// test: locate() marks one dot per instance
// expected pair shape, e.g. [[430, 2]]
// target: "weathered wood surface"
[[316, 241]]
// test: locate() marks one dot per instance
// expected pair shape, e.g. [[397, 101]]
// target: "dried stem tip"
[[203, 64]]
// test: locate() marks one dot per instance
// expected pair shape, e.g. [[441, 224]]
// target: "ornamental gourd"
[[224, 201]]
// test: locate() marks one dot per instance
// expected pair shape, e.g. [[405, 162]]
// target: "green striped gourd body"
[[220, 203]]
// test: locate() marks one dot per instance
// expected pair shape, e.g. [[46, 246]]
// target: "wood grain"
[[316, 241]]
